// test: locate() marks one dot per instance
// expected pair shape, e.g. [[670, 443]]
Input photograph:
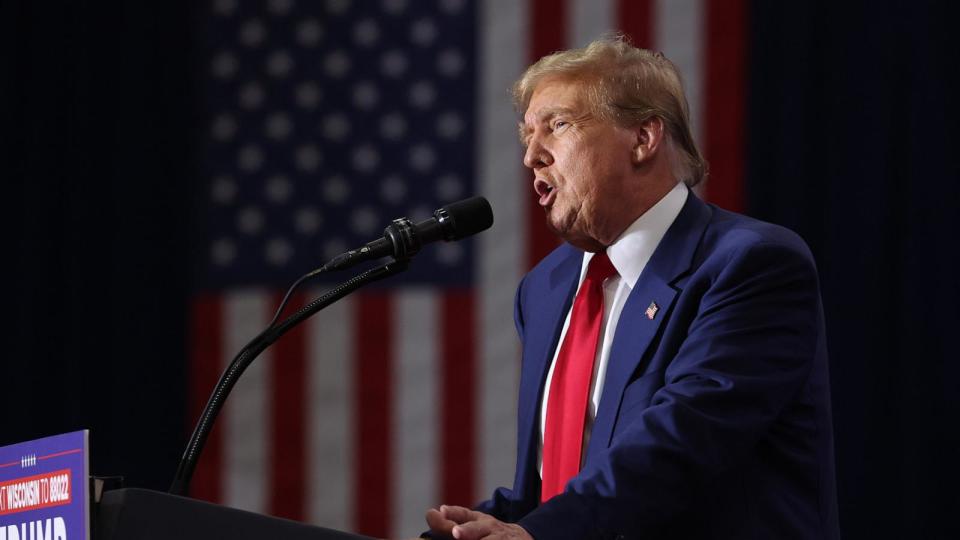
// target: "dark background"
[[852, 119], [97, 122], [852, 134]]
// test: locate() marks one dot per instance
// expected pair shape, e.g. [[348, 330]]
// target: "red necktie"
[[570, 385]]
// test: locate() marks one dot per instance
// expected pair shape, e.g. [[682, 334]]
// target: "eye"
[[559, 124]]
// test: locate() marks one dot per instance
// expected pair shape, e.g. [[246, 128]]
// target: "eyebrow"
[[550, 112]]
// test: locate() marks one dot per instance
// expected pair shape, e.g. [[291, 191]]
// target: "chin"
[[558, 229]]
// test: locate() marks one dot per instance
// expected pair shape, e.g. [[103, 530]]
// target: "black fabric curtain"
[[853, 121], [95, 129]]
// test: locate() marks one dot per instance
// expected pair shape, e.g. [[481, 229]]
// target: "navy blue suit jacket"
[[714, 420]]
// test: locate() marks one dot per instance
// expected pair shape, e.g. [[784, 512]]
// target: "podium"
[[141, 514]]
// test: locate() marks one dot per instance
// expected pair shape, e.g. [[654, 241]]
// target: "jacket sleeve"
[[505, 504], [747, 352]]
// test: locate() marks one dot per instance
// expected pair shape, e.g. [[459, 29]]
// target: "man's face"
[[582, 164]]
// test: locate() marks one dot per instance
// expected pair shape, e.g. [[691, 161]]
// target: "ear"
[[648, 138]]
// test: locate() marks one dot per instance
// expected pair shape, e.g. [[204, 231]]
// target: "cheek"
[[578, 170], [590, 171]]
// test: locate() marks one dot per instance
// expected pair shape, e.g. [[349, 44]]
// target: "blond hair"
[[626, 85]]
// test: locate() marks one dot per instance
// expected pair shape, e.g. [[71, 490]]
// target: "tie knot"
[[600, 268]]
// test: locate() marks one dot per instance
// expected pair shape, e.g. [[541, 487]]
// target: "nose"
[[536, 156]]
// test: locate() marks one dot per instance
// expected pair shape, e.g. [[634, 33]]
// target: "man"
[[674, 380]]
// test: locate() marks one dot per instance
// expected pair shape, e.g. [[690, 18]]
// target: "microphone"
[[403, 239]]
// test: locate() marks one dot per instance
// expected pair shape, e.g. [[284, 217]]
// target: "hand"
[[440, 525], [465, 524]]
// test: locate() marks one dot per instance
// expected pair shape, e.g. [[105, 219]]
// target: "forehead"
[[554, 95]]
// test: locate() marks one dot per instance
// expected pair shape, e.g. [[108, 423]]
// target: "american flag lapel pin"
[[651, 311]]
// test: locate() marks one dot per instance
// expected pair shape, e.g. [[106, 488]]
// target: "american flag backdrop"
[[325, 120]]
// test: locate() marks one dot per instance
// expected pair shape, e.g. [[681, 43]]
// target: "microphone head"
[[464, 218]]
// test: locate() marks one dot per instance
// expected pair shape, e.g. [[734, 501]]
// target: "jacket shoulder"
[[730, 235]]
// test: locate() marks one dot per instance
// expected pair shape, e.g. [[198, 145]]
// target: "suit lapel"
[[637, 326], [542, 333]]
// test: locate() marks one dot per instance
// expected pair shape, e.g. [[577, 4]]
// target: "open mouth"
[[545, 190]]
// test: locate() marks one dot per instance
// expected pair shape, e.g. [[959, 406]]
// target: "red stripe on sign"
[[61, 454], [635, 19], [206, 353], [724, 105], [458, 410], [372, 398], [547, 35], [288, 426]]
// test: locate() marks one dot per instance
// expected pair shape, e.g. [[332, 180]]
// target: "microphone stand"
[[249, 353]]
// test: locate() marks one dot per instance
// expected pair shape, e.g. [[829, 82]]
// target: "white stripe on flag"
[[416, 459], [502, 49], [588, 20], [247, 411], [330, 338], [679, 34]]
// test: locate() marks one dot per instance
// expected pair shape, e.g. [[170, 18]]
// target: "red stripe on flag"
[[458, 409], [372, 402], [206, 352], [547, 35], [549, 31], [724, 105], [288, 426], [635, 19]]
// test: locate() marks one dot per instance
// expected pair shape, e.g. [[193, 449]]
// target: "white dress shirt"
[[629, 254]]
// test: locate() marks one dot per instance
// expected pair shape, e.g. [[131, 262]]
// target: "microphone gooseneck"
[[402, 240]]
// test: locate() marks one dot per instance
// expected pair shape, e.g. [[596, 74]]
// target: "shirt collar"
[[632, 250]]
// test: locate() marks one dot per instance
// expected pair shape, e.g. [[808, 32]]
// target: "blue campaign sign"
[[44, 489]]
